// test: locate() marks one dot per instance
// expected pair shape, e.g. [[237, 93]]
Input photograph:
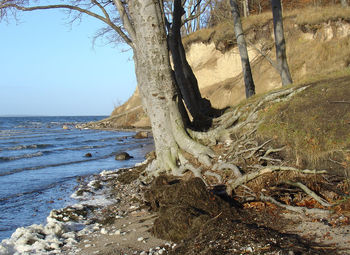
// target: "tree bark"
[[157, 87], [245, 8], [344, 3], [185, 78], [242, 46], [280, 43]]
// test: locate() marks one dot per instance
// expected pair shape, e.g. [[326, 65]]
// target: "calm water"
[[39, 163]]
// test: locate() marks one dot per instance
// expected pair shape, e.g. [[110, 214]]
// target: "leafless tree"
[[242, 46], [280, 43]]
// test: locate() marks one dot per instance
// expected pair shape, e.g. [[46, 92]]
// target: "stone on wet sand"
[[123, 156], [141, 135]]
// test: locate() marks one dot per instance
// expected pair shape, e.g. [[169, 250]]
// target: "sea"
[[41, 163]]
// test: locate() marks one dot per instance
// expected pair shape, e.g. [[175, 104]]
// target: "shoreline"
[[106, 209], [110, 218]]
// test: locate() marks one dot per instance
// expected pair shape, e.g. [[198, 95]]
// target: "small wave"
[[30, 146], [39, 190], [30, 155], [14, 171], [84, 147]]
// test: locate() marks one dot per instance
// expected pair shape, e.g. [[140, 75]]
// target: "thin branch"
[[253, 150], [309, 192], [102, 9], [118, 29], [195, 6], [191, 17], [125, 18], [273, 63]]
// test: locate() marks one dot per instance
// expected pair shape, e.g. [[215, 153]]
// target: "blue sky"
[[48, 67]]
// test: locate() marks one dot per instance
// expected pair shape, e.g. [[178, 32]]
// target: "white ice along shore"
[[64, 226]]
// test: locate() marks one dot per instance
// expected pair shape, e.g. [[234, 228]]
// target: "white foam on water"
[[56, 234]]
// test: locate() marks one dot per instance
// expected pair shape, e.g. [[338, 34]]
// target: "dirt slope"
[[315, 45]]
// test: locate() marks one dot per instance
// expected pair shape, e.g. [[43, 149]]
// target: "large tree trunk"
[[280, 43], [242, 46], [157, 87], [185, 78]]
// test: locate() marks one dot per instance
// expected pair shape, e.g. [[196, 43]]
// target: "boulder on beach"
[[123, 156], [141, 135]]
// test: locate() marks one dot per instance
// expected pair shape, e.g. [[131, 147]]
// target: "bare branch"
[[194, 16], [309, 192], [125, 18], [106, 19], [273, 63]]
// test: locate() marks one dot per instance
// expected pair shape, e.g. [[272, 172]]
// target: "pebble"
[[103, 231], [140, 239], [117, 232], [87, 245], [249, 249]]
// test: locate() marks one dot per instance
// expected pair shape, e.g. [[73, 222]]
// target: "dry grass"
[[317, 15], [308, 58], [308, 15], [256, 20], [312, 125], [204, 35]]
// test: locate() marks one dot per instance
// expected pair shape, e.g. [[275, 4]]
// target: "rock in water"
[[88, 155], [123, 156], [141, 135]]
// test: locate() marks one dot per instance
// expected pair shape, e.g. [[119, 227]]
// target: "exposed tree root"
[[233, 184], [211, 137], [224, 165], [217, 176], [243, 159], [297, 209], [308, 191]]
